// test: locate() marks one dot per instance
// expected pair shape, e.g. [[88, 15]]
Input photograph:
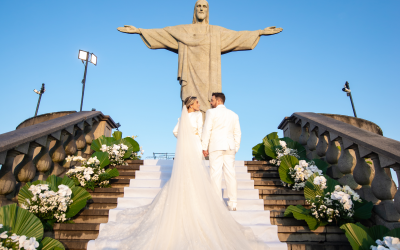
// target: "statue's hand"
[[129, 29], [271, 31]]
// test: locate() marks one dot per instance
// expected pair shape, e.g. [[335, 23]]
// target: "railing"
[[162, 156], [34, 152], [360, 159]]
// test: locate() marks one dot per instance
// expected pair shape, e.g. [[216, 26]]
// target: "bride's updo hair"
[[189, 101]]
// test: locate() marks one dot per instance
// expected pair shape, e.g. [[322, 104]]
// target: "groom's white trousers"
[[224, 160]]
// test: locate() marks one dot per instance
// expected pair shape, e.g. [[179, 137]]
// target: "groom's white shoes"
[[221, 136]]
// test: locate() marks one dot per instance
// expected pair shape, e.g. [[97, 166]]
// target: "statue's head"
[[201, 12]]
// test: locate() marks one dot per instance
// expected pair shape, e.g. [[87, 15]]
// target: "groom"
[[221, 134]]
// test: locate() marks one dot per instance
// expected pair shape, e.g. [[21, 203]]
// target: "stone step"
[[264, 175], [128, 168], [268, 183], [107, 192], [319, 246], [152, 192], [279, 190], [74, 244], [279, 208], [284, 197], [151, 175], [131, 202], [119, 183], [284, 202], [239, 169], [242, 184], [92, 216]]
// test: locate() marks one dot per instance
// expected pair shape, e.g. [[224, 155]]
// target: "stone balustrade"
[[36, 151], [358, 158]]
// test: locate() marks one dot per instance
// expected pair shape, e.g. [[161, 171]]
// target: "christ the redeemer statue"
[[199, 47]]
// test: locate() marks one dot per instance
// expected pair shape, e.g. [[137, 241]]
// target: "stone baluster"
[[384, 189], [69, 145], [397, 196], [43, 161], [57, 154], [363, 174], [322, 146], [346, 164], [7, 178], [312, 143], [89, 137], [80, 138], [25, 170], [304, 135], [332, 156]]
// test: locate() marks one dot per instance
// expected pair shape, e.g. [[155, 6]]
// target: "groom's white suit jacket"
[[221, 130]]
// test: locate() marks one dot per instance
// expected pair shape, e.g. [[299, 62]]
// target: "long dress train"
[[185, 214]]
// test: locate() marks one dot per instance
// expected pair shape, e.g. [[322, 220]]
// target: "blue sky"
[[324, 44]]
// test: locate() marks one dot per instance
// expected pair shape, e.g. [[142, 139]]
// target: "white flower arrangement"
[[90, 174], [135, 155], [10, 241], [47, 204], [335, 205], [282, 151], [391, 243], [115, 153], [300, 174]]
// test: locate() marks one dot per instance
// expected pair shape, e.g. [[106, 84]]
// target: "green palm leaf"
[[287, 162], [375, 232], [311, 190], [357, 236], [301, 213], [301, 151], [271, 136], [112, 172], [330, 184], [130, 148], [135, 144], [79, 197], [394, 233], [96, 144], [117, 135], [258, 152], [21, 222], [321, 164], [55, 181], [270, 146], [24, 194], [102, 157], [51, 244], [363, 210]]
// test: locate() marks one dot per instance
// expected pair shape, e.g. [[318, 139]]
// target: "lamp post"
[[118, 125], [348, 91], [42, 90], [84, 56]]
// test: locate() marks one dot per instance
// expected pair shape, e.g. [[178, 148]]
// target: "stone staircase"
[[271, 195], [277, 198]]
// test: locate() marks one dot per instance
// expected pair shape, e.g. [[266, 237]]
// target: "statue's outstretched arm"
[[129, 29], [270, 31]]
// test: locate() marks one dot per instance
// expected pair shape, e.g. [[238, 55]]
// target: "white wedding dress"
[[186, 213]]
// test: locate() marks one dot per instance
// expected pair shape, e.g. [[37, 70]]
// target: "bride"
[[187, 213]]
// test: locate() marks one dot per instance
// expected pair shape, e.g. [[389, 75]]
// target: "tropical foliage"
[[54, 200], [20, 229], [294, 173], [330, 203], [117, 149], [375, 238], [92, 172], [272, 149]]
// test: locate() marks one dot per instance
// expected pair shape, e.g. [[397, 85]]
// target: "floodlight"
[[36, 91], [93, 59], [83, 55]]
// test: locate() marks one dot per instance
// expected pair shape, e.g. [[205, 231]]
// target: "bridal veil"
[[185, 214]]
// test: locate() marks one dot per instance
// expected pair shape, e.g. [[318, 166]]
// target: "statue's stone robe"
[[199, 49]]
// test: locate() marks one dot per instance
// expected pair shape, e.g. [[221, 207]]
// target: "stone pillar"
[[80, 141], [89, 137], [25, 171], [57, 154], [384, 189], [346, 164], [7, 178], [363, 174], [397, 196], [322, 146], [332, 156], [312, 143], [43, 162]]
